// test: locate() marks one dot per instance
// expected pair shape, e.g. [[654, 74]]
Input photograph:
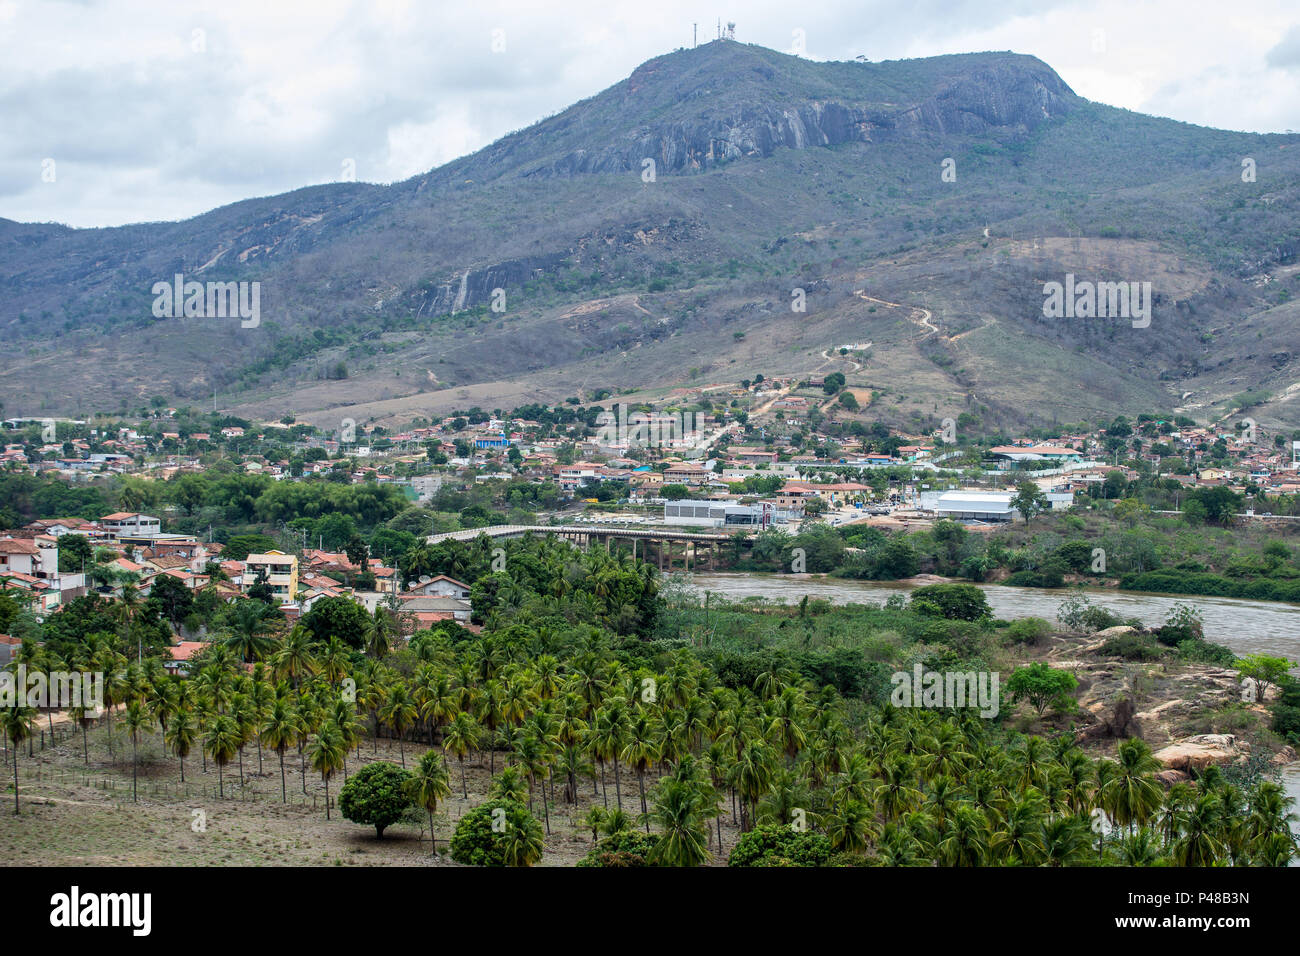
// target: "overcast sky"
[[125, 110]]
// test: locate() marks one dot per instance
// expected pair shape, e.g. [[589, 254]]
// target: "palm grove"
[[589, 699]]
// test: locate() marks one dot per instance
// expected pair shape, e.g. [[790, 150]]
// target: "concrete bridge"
[[663, 544]]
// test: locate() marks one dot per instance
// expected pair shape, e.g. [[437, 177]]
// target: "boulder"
[[1189, 755], [1109, 632], [1170, 777]]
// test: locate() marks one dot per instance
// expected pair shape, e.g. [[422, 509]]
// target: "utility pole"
[[695, 35]]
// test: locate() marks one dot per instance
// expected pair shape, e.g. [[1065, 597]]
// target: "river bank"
[[1244, 626]]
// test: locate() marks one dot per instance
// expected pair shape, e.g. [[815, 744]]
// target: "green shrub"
[[515, 840], [1198, 651], [1286, 722], [1132, 647], [1029, 630], [623, 849], [780, 845], [1098, 619]]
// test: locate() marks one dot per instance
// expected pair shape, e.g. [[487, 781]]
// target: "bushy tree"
[[1042, 686], [376, 795], [959, 602], [339, 617], [497, 833]]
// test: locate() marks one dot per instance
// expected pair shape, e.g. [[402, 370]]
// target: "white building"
[[975, 506], [131, 525], [718, 514]]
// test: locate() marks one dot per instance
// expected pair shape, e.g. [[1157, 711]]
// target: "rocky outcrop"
[[1197, 753], [1013, 99], [474, 287], [1168, 778]]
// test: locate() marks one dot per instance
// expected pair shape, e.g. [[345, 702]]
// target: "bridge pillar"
[[661, 555]]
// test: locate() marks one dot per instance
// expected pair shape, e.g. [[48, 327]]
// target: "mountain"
[[655, 236]]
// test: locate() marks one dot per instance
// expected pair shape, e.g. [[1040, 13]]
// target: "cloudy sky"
[[124, 110]]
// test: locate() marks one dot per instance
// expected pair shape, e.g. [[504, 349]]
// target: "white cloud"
[[147, 123]]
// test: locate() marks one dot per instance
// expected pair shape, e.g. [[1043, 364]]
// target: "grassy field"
[[75, 813]]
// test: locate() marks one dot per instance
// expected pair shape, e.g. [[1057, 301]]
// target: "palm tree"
[[641, 751], [429, 784], [850, 829], [435, 697], [279, 730], [964, 839], [19, 724], [372, 695], [751, 776], [895, 795], [398, 712], [594, 819], [1200, 843], [128, 608], [335, 660], [1019, 840], [241, 709], [181, 734], [112, 665], [1141, 849], [344, 716], [682, 837], [294, 660], [461, 737], [248, 626], [608, 734], [137, 721], [83, 716], [573, 763], [260, 697], [222, 741], [490, 716], [522, 845], [380, 633], [165, 703], [510, 784], [1133, 794], [1065, 840], [327, 752]]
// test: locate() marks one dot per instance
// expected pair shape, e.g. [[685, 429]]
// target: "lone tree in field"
[[1029, 500], [377, 795]]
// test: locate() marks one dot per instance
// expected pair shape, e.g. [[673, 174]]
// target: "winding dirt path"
[[918, 315]]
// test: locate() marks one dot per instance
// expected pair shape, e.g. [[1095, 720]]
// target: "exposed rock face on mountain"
[[999, 93]]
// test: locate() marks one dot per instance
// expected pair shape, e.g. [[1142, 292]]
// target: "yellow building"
[[281, 574]]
